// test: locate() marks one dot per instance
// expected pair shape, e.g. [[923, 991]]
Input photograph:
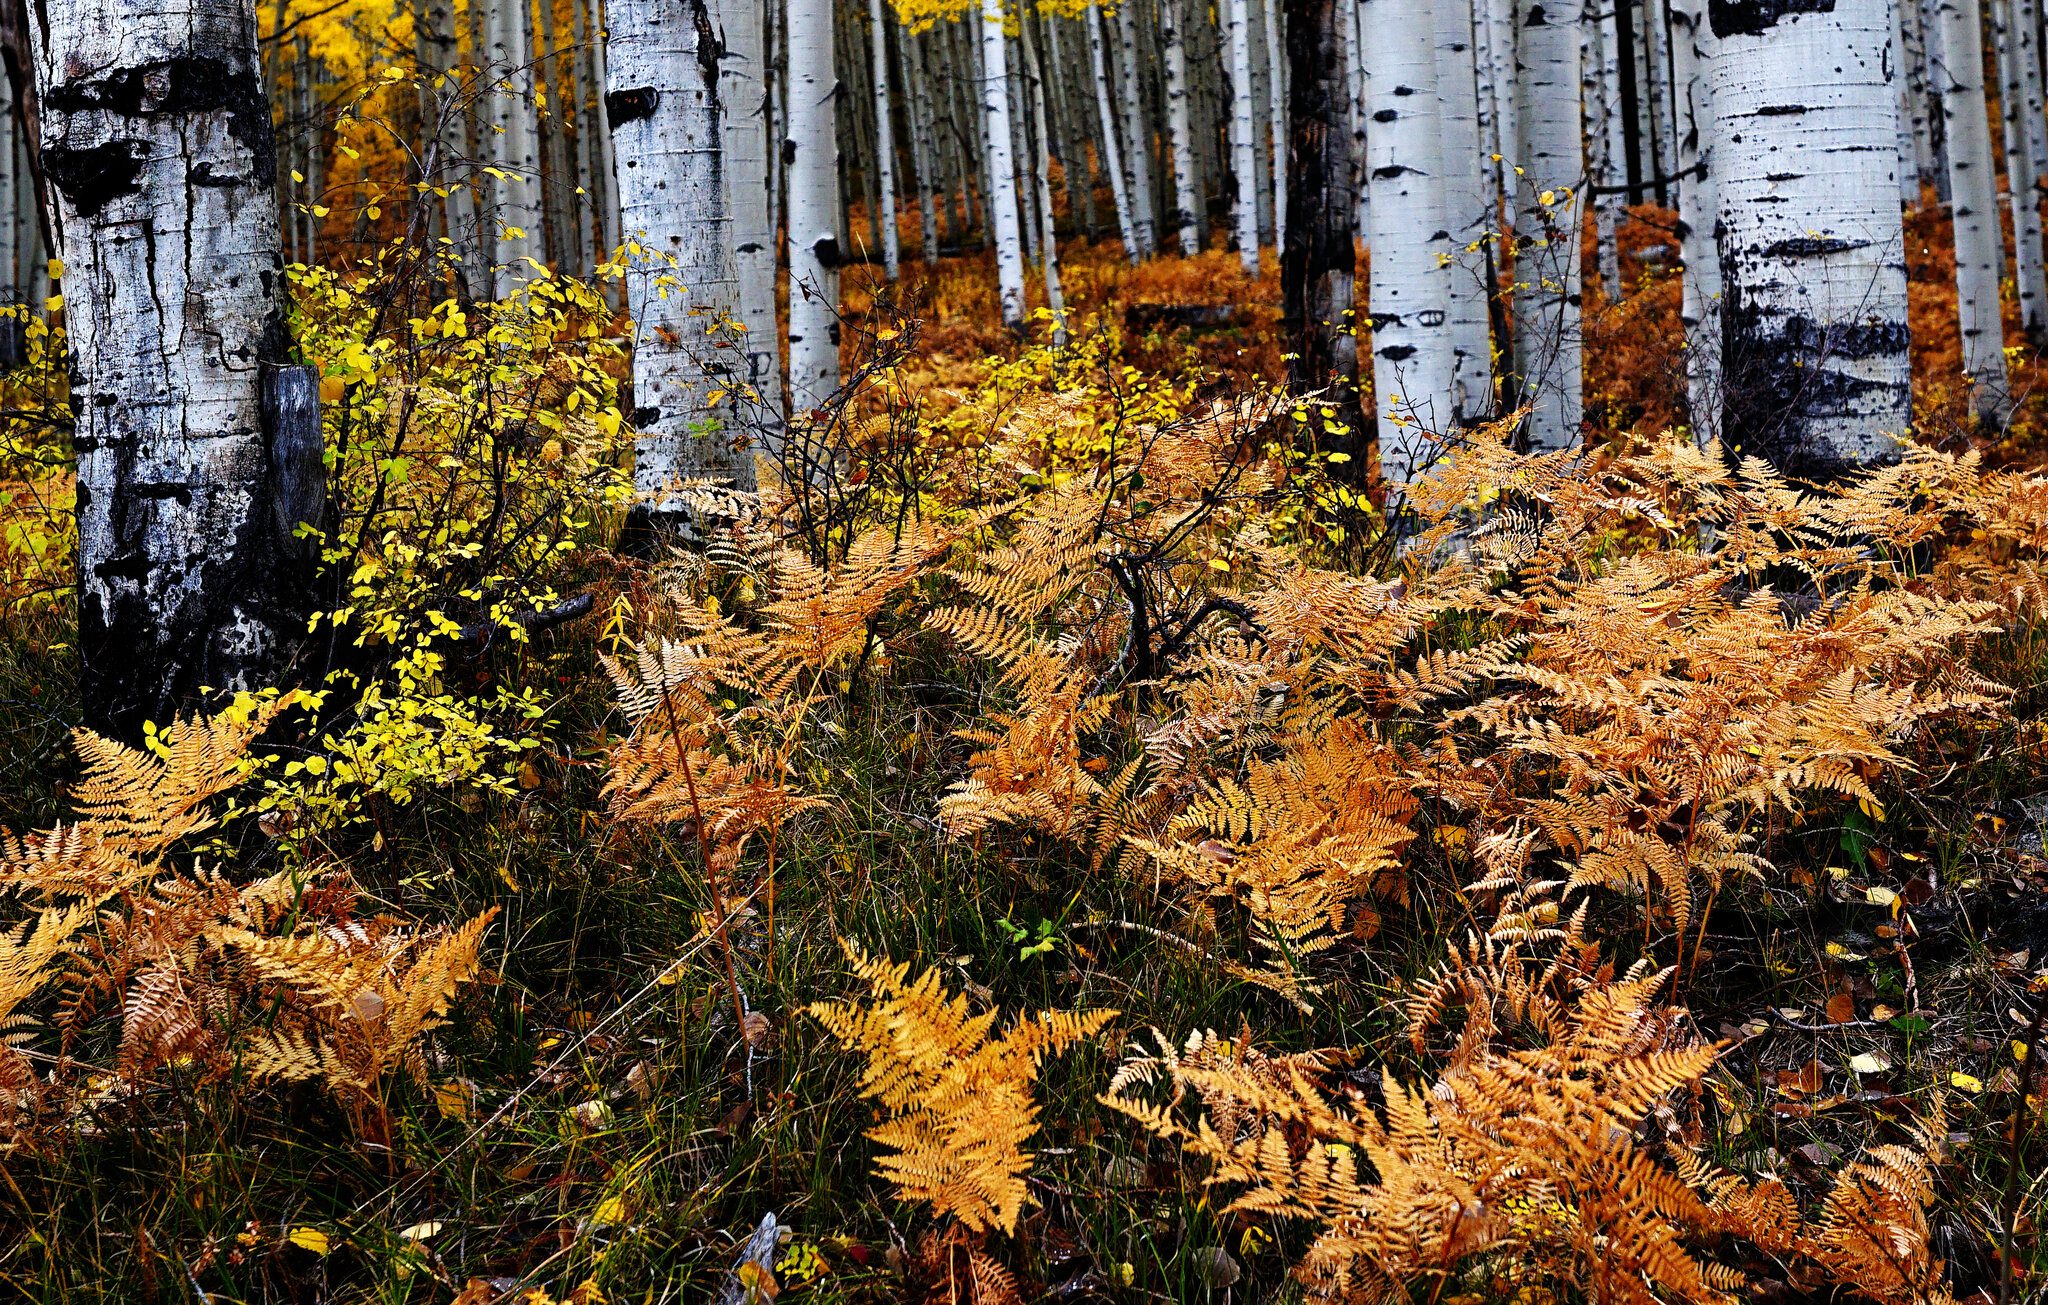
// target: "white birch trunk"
[[1112, 153], [1814, 337], [1466, 212], [1913, 82], [157, 146], [1244, 157], [667, 138], [1276, 115], [743, 102], [2013, 22], [1973, 187], [1549, 202], [1909, 150], [1137, 133], [1413, 348], [885, 137], [1004, 226], [1699, 309], [810, 152], [1187, 217]]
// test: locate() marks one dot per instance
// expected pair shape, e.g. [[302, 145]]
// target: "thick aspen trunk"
[[1413, 358], [879, 22], [1549, 204], [1974, 188], [1187, 203], [189, 574], [1244, 157], [1813, 267], [667, 135], [810, 153], [1317, 262], [1699, 309], [1466, 213], [1004, 226], [743, 104]]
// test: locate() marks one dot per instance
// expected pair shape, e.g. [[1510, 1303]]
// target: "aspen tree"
[[667, 138], [1048, 245], [1812, 252], [2018, 46], [1549, 201], [1187, 204], [188, 499], [1467, 214], [923, 159], [1413, 356], [1973, 187], [1276, 117], [1699, 309], [743, 104], [1137, 134], [885, 137], [1004, 226], [1244, 159], [810, 152], [513, 146], [1112, 153]]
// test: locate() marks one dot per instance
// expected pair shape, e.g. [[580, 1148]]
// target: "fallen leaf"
[[310, 1239], [1841, 1008], [1867, 1062], [419, 1232]]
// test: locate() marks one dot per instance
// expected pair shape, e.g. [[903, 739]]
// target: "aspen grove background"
[[996, 651]]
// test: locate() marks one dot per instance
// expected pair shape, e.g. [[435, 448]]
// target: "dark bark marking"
[[1755, 17], [95, 177], [630, 105]]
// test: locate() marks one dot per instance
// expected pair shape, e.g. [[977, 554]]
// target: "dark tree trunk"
[[1318, 264]]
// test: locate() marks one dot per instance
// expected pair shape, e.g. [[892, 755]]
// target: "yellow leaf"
[[1218, 564], [1880, 896], [56, 269], [53, 303], [1869, 1063], [1967, 1082], [454, 1099], [611, 1210], [310, 1239]]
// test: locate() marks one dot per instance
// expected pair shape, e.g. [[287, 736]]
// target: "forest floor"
[[963, 769]]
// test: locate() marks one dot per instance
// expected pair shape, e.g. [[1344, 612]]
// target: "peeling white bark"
[[1244, 156], [1112, 152], [156, 141], [513, 147]]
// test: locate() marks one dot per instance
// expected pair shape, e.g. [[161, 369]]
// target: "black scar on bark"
[[630, 105], [94, 177], [1755, 17], [1782, 384], [826, 251], [1398, 352], [179, 87]]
